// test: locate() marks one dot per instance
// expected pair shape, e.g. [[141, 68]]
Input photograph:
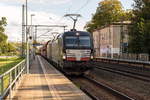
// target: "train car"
[[72, 51], [43, 50], [49, 50]]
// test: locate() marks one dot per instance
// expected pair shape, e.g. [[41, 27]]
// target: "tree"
[[3, 23], [11, 47], [3, 37], [140, 34], [107, 12]]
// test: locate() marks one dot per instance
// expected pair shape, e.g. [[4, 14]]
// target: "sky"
[[49, 12]]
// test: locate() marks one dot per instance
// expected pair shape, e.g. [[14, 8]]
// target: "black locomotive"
[[71, 51]]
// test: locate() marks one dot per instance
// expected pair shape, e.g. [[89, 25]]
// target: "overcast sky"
[[48, 12]]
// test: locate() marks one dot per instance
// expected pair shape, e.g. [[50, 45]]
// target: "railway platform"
[[46, 83]]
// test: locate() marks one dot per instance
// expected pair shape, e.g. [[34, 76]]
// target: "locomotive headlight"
[[92, 57], [77, 34], [64, 56]]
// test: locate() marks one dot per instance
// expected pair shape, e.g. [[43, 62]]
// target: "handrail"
[[125, 60], [11, 69], [10, 78]]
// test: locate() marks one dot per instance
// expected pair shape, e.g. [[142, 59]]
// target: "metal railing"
[[9, 79], [126, 56]]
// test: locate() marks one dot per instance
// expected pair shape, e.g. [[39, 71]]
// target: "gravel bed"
[[131, 86], [100, 93]]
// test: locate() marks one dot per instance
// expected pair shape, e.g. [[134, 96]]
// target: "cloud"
[[14, 19], [50, 1], [38, 1], [13, 15]]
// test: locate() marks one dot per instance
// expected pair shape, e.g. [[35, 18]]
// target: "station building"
[[112, 39]]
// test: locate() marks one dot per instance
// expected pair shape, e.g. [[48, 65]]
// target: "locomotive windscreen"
[[71, 41], [84, 41], [77, 41]]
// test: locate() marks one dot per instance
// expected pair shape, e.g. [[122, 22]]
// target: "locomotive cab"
[[78, 46], [77, 51]]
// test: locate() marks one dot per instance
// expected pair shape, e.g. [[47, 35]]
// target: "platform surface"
[[46, 83]]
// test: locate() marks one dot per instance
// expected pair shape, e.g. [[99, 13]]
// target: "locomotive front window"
[[71, 41], [84, 41]]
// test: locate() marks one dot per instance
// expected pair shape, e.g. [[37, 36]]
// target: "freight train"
[[72, 51]]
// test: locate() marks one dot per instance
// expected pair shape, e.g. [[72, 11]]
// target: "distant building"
[[111, 39]]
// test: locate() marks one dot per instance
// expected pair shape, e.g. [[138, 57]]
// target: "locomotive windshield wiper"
[[75, 43]]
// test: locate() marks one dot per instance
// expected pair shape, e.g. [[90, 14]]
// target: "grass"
[[8, 63], [5, 65]]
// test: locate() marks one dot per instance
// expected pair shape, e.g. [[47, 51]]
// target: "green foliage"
[[8, 48], [3, 37], [140, 34], [8, 63], [11, 48], [5, 48], [107, 12], [3, 23]]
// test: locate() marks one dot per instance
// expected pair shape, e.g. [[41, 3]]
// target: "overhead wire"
[[69, 8], [67, 11], [83, 6], [44, 33]]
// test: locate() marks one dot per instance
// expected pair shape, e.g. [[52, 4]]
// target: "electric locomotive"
[[71, 51]]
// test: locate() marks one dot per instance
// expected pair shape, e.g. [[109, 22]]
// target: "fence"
[[128, 56], [8, 79]]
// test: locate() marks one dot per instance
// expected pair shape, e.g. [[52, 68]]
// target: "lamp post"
[[23, 30], [32, 35], [31, 17], [32, 38]]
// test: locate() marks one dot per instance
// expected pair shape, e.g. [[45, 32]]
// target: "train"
[[72, 51]]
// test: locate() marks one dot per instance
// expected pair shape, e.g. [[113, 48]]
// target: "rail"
[[9, 79], [126, 73], [116, 92]]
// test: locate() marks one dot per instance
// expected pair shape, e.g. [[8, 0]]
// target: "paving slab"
[[46, 83]]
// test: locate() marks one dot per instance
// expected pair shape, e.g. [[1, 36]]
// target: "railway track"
[[89, 94], [86, 83], [131, 74]]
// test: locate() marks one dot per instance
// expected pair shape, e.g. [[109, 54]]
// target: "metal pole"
[[23, 30], [64, 28], [121, 38], [27, 37], [35, 33], [10, 80], [31, 27], [2, 86], [32, 49], [31, 19], [99, 41]]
